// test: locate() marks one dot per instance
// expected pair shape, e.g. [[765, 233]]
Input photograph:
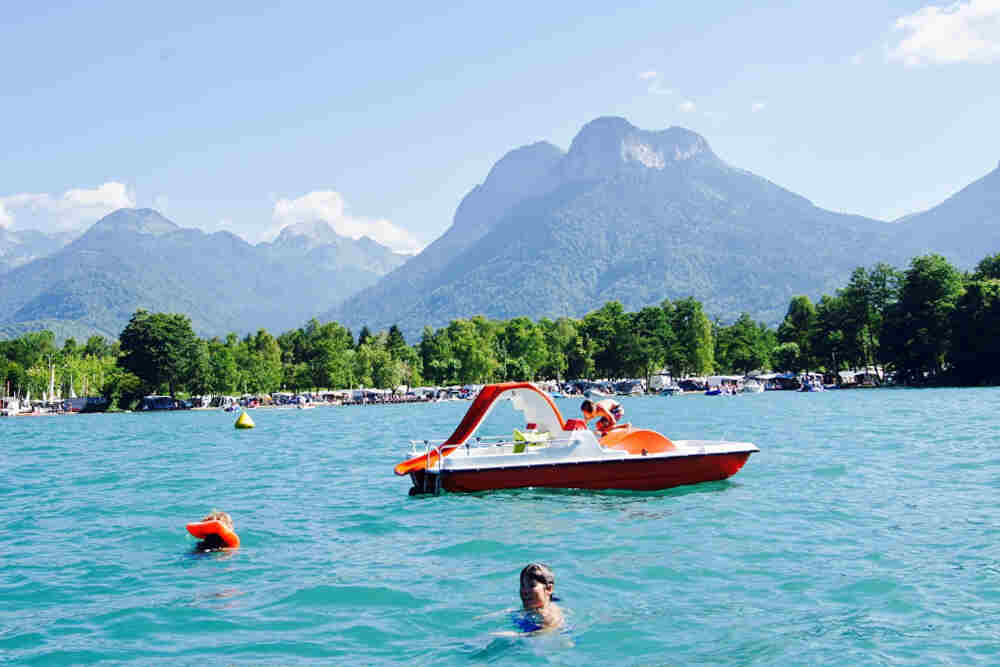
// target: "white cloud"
[[757, 106], [75, 208], [646, 76], [329, 206], [962, 32], [687, 106]]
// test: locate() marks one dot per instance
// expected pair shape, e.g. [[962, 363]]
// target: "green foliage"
[[159, 348], [930, 324], [608, 329], [696, 349], [833, 341], [973, 353], [744, 346], [798, 325], [521, 348], [788, 357], [988, 268], [918, 328], [647, 346]]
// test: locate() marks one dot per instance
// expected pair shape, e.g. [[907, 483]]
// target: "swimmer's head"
[[537, 582], [587, 408]]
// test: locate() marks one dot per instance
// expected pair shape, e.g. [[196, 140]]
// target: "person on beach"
[[216, 532], [609, 411], [540, 612]]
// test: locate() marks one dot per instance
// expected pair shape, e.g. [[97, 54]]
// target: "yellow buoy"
[[244, 421]]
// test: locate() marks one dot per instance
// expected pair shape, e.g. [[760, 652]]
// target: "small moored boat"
[[562, 453]]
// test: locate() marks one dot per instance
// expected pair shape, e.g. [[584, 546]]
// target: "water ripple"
[[863, 533]]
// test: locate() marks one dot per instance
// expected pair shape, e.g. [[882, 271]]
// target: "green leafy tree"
[[787, 357], [364, 337], [396, 343], [331, 357], [410, 366], [32, 348], [15, 376], [96, 346], [648, 347], [797, 326], [696, 348], [70, 348], [831, 347], [223, 373], [608, 330], [976, 331], [988, 268], [158, 348], [436, 356], [559, 337], [200, 378], [472, 345], [264, 368], [742, 347], [521, 349], [867, 297], [580, 357], [123, 389], [918, 329]]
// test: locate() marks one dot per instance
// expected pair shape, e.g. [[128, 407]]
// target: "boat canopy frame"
[[536, 405]]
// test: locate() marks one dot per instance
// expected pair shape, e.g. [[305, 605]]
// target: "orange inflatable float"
[[205, 529]]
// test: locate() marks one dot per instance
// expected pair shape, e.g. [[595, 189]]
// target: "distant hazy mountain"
[[20, 247], [137, 258], [625, 214], [965, 228]]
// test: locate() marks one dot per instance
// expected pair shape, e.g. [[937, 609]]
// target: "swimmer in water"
[[537, 583], [215, 531]]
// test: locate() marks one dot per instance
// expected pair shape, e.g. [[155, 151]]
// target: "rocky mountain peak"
[[311, 234], [136, 220], [605, 145]]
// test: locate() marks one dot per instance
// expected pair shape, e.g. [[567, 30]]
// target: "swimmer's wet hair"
[[539, 572], [587, 406], [216, 515]]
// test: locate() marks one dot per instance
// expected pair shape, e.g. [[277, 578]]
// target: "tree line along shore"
[[929, 324]]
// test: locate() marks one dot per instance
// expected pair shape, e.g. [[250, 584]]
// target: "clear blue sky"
[[222, 115]]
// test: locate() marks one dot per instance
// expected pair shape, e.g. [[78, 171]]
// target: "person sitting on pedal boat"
[[609, 411]]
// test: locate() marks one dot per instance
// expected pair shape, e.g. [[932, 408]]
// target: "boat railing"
[[477, 443]]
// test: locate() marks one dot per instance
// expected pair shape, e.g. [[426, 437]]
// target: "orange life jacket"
[[202, 529]]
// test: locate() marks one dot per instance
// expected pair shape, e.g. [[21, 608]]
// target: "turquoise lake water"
[[864, 532]]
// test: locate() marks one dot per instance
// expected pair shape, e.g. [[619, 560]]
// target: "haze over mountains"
[[18, 247], [136, 258], [624, 214]]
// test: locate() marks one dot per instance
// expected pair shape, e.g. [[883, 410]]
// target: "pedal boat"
[[562, 453]]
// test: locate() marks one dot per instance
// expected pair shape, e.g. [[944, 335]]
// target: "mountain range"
[[625, 213], [640, 216], [18, 247], [136, 258]]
